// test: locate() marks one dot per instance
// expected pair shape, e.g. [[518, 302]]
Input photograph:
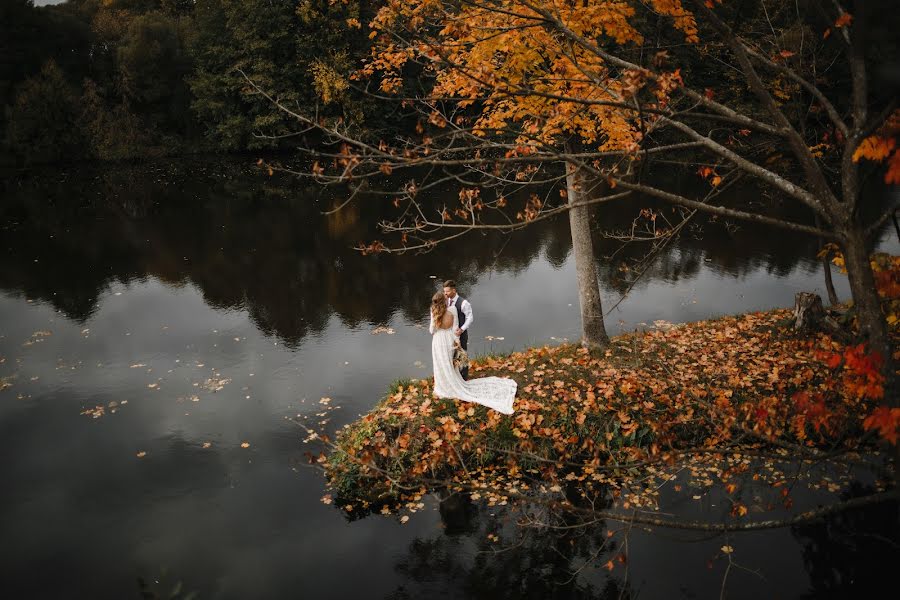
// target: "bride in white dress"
[[494, 392]]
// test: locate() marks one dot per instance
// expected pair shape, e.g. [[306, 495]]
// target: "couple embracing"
[[450, 319]]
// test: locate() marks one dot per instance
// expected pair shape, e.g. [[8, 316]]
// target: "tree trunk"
[[872, 324], [826, 267], [829, 284], [592, 328]]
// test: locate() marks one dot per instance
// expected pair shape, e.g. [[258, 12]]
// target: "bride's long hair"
[[438, 307]]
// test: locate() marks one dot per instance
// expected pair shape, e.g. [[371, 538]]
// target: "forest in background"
[[125, 79]]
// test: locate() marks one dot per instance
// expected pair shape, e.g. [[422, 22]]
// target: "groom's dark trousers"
[[464, 342], [464, 338]]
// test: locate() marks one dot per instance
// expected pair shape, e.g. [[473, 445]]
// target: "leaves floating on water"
[[245, 444], [100, 410], [387, 330], [141, 454], [96, 412], [215, 384], [6, 382], [36, 337]]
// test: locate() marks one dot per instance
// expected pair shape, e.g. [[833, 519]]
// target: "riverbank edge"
[[411, 440]]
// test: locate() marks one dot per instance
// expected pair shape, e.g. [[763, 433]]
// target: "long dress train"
[[497, 393]]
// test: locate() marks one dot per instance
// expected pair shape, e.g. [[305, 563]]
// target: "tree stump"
[[810, 315], [808, 310]]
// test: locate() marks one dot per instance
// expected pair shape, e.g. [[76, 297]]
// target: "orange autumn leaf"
[[874, 148], [843, 20], [881, 146], [892, 175], [886, 421]]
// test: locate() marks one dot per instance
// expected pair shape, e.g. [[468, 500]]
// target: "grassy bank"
[[710, 386]]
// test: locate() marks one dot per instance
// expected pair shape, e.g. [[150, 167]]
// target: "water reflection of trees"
[[464, 562], [263, 244], [486, 552], [851, 554], [245, 241]]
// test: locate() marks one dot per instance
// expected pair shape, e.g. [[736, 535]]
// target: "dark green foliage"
[[152, 65], [256, 37], [298, 53], [141, 78], [43, 120], [29, 37], [113, 132]]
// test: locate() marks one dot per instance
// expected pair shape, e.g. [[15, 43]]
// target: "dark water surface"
[[132, 294]]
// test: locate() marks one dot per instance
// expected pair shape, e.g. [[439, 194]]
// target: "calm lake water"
[[182, 311]]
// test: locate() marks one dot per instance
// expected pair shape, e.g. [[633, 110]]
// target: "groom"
[[464, 309]]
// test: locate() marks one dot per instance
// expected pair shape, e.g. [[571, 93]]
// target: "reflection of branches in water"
[[479, 557], [853, 553], [531, 549]]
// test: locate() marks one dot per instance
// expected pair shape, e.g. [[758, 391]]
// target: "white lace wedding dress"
[[494, 392]]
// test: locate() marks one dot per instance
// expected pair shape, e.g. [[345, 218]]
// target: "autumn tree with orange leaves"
[[586, 95]]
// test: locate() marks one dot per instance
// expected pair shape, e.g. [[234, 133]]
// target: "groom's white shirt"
[[466, 308]]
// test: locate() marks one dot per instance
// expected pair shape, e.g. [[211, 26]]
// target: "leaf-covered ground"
[[656, 403]]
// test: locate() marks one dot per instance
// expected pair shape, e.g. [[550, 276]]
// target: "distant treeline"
[[118, 79]]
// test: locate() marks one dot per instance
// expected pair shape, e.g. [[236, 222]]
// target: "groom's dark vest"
[[464, 338]]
